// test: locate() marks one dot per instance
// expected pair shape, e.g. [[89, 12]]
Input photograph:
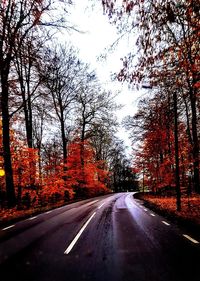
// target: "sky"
[[97, 35]]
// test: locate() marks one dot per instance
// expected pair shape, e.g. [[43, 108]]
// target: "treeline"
[[57, 135], [167, 123]]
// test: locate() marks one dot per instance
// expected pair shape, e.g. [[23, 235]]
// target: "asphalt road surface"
[[113, 237]]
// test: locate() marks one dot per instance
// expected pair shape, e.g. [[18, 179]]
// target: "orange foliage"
[[157, 162], [54, 183], [82, 176], [85, 175], [24, 162], [190, 206]]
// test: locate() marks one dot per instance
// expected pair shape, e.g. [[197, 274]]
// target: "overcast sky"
[[97, 35]]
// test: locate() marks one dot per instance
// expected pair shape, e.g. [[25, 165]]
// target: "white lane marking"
[[138, 205], [49, 212], [145, 210], [130, 205], [152, 215], [60, 207], [69, 248], [93, 202], [191, 239], [101, 205], [5, 228], [166, 223], [32, 218], [90, 203]]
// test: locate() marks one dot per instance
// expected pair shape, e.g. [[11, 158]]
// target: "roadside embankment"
[[189, 216]]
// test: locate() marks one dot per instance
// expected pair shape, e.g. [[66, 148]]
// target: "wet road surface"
[[112, 237]]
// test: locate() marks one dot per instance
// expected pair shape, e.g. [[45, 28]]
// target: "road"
[[112, 237]]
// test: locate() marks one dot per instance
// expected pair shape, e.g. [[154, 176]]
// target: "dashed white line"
[[130, 205], [32, 218], [152, 215], [145, 210], [69, 248], [101, 205], [88, 204], [191, 239], [166, 223], [8, 227], [95, 201], [138, 205]]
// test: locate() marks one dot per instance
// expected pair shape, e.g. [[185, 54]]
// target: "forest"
[[79, 199], [166, 63], [58, 123]]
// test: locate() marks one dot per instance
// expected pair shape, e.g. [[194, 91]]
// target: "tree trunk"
[[19, 189], [11, 198], [195, 146], [29, 125], [24, 79], [177, 171], [82, 145], [64, 142], [30, 117]]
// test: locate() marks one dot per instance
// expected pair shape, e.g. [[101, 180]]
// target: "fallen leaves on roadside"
[[190, 206]]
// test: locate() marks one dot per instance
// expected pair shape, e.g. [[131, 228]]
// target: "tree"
[[94, 107], [62, 76], [101, 139], [87, 180], [53, 185], [27, 61], [162, 155], [123, 178], [168, 45], [17, 19]]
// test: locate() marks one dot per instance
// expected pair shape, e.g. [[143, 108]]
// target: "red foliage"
[[85, 175], [190, 206], [155, 159]]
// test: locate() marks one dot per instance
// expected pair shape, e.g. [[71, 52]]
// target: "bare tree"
[[62, 75]]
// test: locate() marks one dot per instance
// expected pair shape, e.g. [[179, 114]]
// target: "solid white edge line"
[[48, 212], [8, 227], [69, 248], [94, 201], [90, 203], [191, 239], [152, 215], [32, 218], [166, 223], [101, 205]]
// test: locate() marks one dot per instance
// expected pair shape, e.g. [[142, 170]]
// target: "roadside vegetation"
[[166, 65], [57, 122], [189, 216]]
